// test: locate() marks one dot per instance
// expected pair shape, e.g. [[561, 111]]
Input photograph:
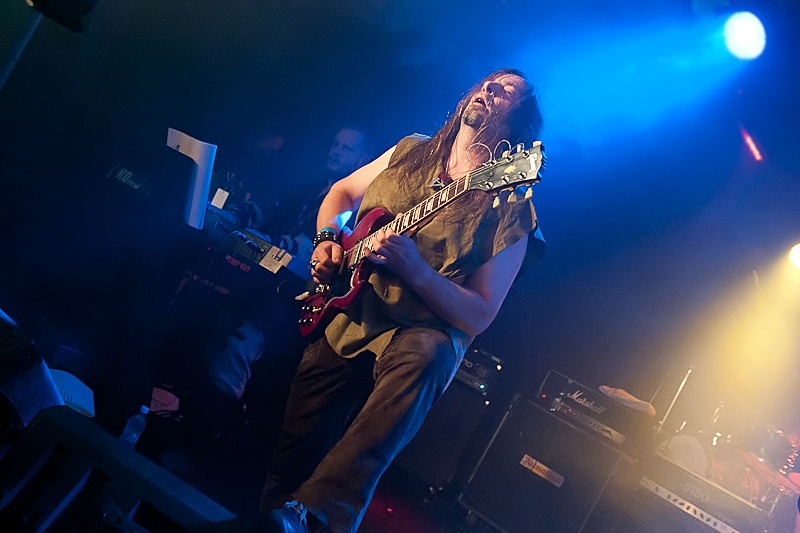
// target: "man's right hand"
[[326, 258]]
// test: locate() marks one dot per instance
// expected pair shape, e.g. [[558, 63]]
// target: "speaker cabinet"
[[542, 474], [668, 498], [433, 455], [64, 473]]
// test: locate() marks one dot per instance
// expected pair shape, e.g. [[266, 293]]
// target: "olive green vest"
[[455, 243]]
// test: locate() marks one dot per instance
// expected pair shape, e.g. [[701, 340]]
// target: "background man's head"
[[352, 148]]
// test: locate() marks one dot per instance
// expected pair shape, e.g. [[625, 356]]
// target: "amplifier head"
[[478, 370]]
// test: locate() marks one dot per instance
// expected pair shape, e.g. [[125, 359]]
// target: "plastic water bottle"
[[134, 427]]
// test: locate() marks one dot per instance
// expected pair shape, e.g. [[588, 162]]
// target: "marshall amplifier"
[[588, 409], [542, 474], [670, 498]]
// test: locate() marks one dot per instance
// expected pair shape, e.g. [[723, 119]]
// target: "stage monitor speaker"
[[64, 473], [541, 474], [432, 457]]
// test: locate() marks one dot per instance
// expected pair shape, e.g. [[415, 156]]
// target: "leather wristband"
[[325, 234]]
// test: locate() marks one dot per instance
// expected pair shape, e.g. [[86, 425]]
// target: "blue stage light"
[[744, 35]]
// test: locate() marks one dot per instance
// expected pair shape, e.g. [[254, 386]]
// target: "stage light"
[[794, 255], [744, 35]]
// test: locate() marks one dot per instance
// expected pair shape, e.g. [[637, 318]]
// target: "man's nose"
[[492, 88], [491, 91]]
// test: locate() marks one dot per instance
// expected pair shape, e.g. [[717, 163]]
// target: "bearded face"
[[490, 103]]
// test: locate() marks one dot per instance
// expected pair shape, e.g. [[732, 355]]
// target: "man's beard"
[[473, 119]]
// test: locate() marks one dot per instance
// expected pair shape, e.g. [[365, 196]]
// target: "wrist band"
[[325, 234]]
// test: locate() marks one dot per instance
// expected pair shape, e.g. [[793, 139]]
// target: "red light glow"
[[751, 144]]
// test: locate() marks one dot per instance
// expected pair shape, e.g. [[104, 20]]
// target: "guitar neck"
[[411, 218], [519, 168], [425, 209]]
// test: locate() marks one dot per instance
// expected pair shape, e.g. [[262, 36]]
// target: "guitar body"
[[345, 285]]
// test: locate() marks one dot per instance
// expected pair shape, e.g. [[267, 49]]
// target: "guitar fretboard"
[[409, 219]]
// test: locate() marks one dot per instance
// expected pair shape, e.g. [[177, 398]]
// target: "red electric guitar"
[[513, 172]]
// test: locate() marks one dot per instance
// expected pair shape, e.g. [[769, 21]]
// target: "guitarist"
[[384, 361]]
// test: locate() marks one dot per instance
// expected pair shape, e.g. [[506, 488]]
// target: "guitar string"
[[358, 249]]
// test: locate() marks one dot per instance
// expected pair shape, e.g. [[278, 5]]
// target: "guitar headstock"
[[511, 172]]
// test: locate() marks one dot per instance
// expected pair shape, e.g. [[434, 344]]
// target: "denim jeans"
[[346, 419]]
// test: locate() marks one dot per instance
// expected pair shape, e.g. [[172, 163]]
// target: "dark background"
[[654, 228]]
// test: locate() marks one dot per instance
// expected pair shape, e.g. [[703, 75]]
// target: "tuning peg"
[[496, 202], [529, 192]]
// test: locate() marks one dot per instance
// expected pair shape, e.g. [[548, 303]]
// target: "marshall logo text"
[[578, 398]]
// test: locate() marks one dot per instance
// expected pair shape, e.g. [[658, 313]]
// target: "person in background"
[[233, 331], [292, 225], [242, 182], [271, 327]]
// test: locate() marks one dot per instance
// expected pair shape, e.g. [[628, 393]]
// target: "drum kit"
[[756, 463], [759, 467]]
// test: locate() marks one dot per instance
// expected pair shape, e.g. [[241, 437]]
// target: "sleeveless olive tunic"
[[455, 243]]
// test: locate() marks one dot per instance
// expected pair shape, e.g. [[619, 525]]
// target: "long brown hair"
[[523, 125]]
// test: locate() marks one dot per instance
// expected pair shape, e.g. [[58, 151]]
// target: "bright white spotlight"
[[794, 255], [744, 35]]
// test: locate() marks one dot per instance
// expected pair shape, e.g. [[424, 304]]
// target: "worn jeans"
[[333, 468]]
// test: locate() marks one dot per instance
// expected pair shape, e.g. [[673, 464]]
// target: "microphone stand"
[[660, 424]]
